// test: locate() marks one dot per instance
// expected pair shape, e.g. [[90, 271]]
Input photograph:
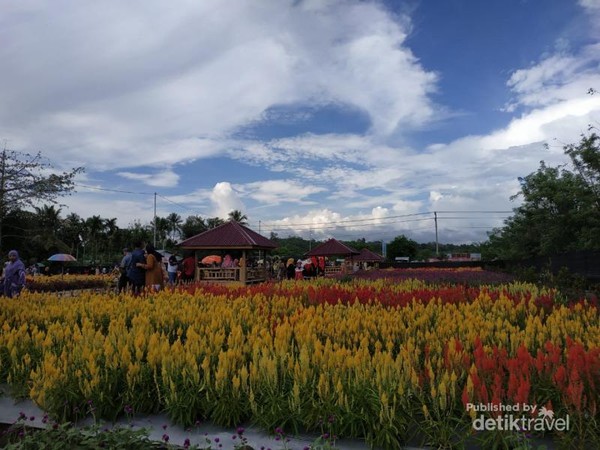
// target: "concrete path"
[[159, 425]]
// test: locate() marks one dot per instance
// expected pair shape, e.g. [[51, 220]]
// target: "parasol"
[[62, 257], [211, 259]]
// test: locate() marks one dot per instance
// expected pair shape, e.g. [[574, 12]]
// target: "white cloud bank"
[[122, 85], [146, 86]]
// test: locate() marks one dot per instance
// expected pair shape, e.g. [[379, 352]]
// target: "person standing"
[[124, 268], [189, 266], [154, 269], [290, 269], [13, 281], [135, 273], [172, 267]]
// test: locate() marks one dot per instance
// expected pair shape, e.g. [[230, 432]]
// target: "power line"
[[112, 190], [475, 211], [348, 226], [179, 204], [370, 219]]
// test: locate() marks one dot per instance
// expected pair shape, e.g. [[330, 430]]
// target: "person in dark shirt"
[[137, 275]]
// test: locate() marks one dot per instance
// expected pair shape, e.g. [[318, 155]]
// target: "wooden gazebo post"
[[243, 266]]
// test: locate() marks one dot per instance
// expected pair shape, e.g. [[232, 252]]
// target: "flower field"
[[385, 360]]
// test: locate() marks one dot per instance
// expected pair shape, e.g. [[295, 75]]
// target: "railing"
[[219, 274], [333, 270], [256, 274]]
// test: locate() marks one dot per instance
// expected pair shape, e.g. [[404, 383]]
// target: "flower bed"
[[463, 275], [68, 282], [371, 359]]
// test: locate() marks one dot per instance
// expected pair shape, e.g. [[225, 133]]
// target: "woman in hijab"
[[290, 269], [154, 269], [14, 275]]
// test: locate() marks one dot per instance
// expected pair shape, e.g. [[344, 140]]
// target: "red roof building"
[[230, 235], [367, 255], [332, 247], [228, 239]]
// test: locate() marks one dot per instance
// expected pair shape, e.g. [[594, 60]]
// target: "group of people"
[[143, 268], [300, 269]]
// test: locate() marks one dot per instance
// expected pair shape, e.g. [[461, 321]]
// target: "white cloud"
[[275, 192], [116, 85], [557, 78], [167, 178], [225, 199]]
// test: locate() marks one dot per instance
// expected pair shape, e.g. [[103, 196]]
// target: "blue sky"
[[326, 118]]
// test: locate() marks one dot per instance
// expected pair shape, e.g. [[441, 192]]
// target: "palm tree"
[[237, 216], [111, 228], [175, 222], [95, 228], [214, 222], [162, 229], [72, 231], [48, 224]]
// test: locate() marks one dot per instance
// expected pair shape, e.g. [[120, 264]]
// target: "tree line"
[[41, 232], [559, 212]]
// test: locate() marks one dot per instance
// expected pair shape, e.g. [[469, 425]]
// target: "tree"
[[162, 230], [24, 181], [95, 228], [560, 210], [585, 158], [175, 222], [237, 216], [72, 232], [192, 226], [44, 235], [402, 246], [214, 222]]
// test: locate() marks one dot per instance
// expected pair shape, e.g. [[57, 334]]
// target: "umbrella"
[[62, 257], [211, 259]]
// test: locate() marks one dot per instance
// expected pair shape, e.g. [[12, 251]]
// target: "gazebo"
[[367, 256], [231, 237], [333, 247]]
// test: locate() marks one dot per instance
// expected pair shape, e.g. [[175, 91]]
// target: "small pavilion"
[[230, 238], [333, 247], [367, 257]]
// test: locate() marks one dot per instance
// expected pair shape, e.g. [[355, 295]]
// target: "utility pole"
[[155, 220], [437, 248], [259, 223]]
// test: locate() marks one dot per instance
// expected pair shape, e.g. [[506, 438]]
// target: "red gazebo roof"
[[230, 235], [332, 247], [367, 255]]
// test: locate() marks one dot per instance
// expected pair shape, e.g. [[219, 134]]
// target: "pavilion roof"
[[230, 235], [332, 247], [367, 255]]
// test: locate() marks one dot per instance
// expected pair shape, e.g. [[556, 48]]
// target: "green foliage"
[[293, 246], [237, 216], [402, 246], [192, 226], [66, 436], [25, 182], [560, 208]]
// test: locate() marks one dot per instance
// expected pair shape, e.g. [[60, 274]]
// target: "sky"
[[315, 118]]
